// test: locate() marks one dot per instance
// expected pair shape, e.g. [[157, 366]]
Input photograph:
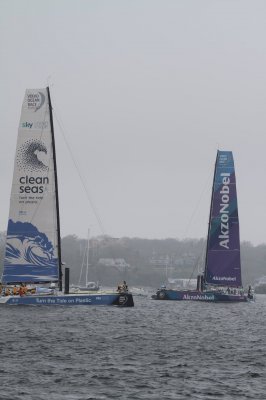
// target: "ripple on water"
[[157, 350]]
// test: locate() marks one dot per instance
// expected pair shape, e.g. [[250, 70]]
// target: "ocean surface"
[[156, 350]]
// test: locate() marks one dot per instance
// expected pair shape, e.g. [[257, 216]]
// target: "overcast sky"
[[147, 90]]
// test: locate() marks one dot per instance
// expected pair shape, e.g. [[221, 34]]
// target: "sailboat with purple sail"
[[222, 279]]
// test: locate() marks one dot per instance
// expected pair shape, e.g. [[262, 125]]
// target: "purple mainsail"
[[223, 266]]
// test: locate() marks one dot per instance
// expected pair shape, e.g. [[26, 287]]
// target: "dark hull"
[[97, 299], [195, 295]]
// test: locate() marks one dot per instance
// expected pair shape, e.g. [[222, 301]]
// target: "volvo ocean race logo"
[[224, 210], [35, 101], [32, 158]]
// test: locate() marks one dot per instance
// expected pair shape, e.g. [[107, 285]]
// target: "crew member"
[[21, 291]]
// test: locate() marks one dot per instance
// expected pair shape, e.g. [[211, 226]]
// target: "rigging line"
[[197, 263], [44, 194], [48, 169], [60, 124], [197, 205], [82, 266]]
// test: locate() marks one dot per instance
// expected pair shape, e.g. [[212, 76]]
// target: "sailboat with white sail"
[[89, 285], [32, 272], [222, 279]]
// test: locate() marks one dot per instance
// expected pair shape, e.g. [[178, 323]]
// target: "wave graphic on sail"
[[30, 156], [27, 249]]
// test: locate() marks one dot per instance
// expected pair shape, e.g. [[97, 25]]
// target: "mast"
[[209, 224], [87, 269], [56, 193]]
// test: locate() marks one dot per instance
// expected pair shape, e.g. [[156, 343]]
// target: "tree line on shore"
[[147, 262]]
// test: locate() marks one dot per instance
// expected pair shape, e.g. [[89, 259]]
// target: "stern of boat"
[[124, 300]]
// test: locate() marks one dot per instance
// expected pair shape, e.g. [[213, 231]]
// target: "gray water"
[[156, 350]]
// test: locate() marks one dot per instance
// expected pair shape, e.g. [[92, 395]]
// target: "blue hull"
[[97, 299], [194, 295]]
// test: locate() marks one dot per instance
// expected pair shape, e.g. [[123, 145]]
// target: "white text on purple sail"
[[224, 211]]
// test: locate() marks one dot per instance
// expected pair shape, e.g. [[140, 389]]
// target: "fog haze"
[[146, 92]]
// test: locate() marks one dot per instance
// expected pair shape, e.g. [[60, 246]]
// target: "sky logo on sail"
[[224, 210], [37, 125], [27, 125]]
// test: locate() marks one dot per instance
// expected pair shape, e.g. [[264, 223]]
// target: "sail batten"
[[32, 241], [223, 267]]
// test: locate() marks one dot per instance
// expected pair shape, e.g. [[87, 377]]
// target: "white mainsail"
[[32, 234]]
